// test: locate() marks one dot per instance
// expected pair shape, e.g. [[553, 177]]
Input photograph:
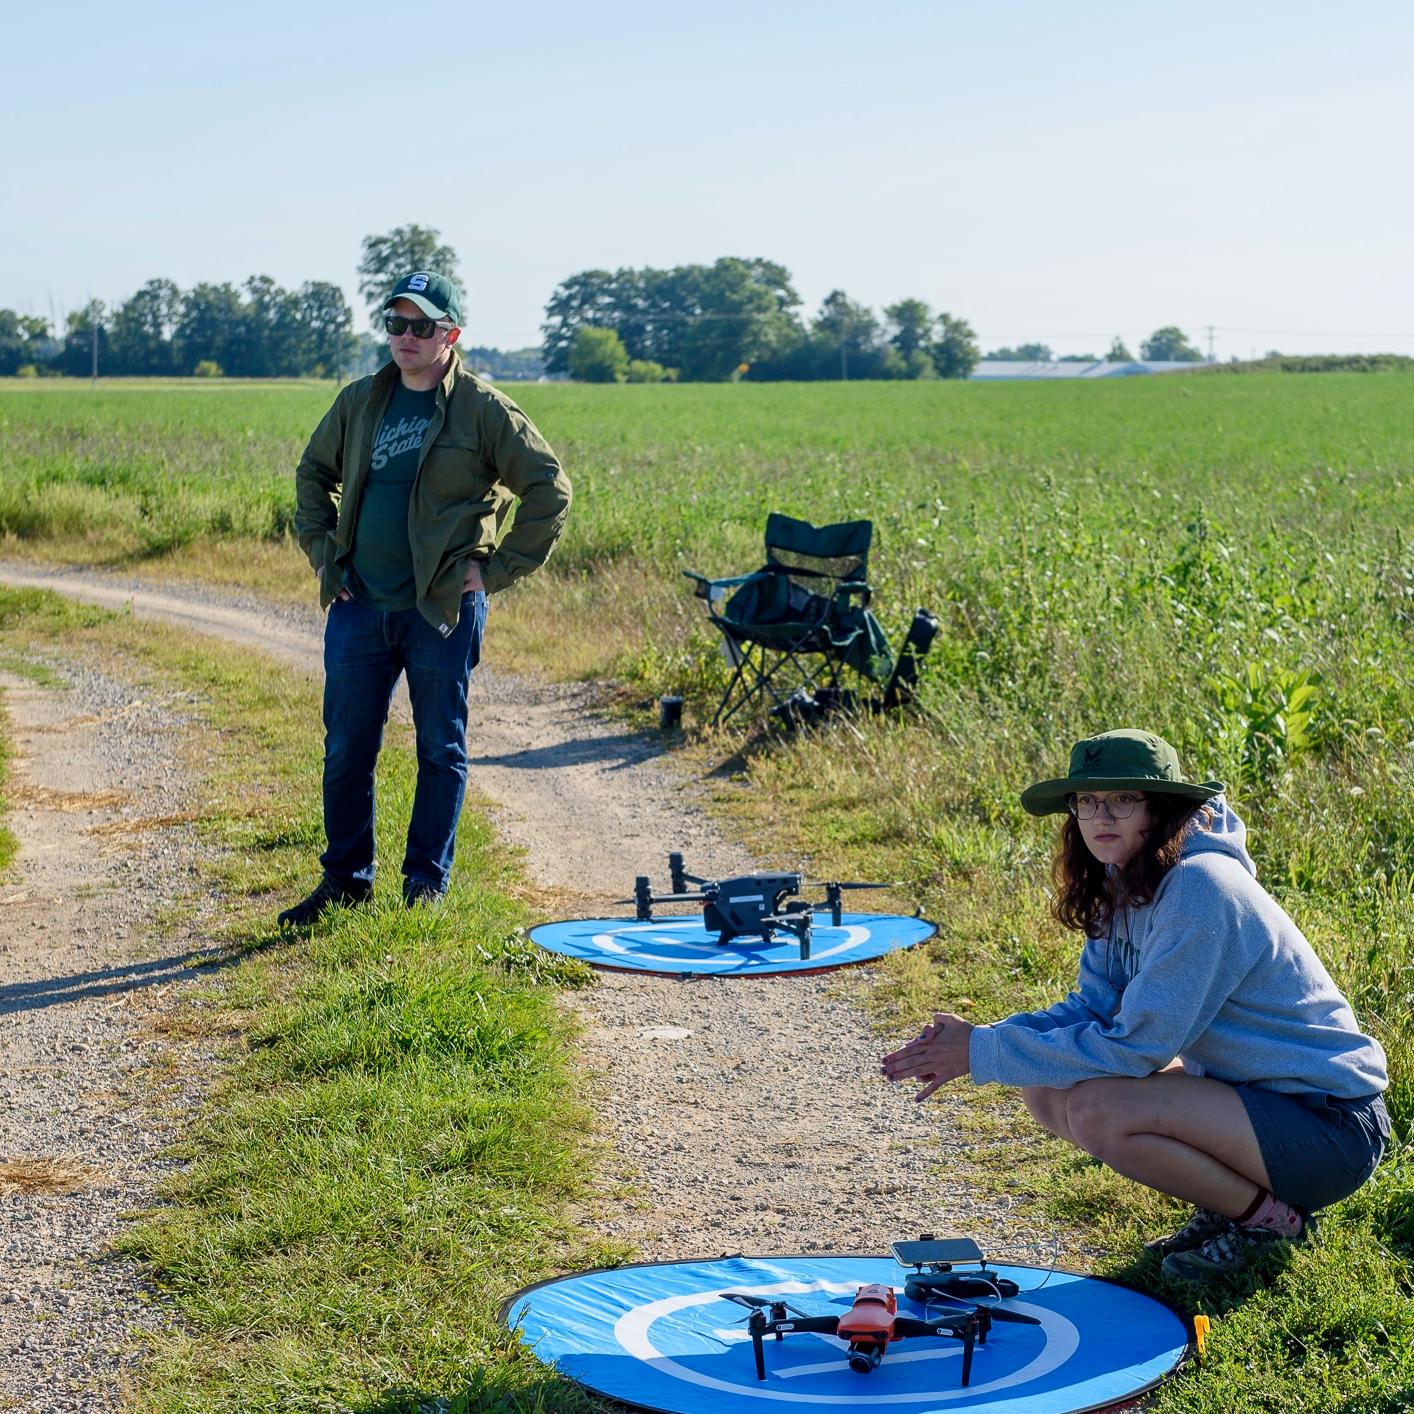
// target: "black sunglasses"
[[421, 328]]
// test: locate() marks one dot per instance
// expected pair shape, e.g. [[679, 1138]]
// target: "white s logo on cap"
[[417, 282]]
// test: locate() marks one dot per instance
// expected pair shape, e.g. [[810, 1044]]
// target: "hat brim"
[[1049, 797], [423, 303]]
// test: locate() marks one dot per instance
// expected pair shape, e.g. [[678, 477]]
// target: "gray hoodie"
[[1212, 971]]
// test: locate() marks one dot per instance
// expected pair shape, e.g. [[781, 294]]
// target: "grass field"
[[1227, 561]]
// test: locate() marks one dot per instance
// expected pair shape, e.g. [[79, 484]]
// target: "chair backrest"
[[833, 552]]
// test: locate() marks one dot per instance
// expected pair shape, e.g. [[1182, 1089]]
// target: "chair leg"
[[760, 668], [761, 683], [721, 714], [758, 675]]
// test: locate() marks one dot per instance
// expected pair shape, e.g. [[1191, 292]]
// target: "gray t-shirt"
[[380, 572]]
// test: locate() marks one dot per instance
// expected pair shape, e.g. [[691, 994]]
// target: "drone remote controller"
[[934, 1261]]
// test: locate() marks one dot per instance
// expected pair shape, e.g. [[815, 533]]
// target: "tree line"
[[258, 330], [1167, 345], [740, 318], [735, 318]]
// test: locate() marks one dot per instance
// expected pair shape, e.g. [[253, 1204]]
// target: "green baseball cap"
[[433, 294], [1121, 760]]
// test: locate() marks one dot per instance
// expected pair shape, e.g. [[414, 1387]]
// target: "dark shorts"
[[1317, 1149]]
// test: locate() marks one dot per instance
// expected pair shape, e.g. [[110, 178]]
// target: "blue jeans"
[[365, 649]]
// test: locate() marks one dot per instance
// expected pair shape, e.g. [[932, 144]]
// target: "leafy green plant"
[[1270, 712]]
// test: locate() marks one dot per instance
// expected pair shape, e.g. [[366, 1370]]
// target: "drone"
[[750, 906], [872, 1323]]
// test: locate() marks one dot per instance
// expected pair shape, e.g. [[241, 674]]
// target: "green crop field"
[[1227, 561]]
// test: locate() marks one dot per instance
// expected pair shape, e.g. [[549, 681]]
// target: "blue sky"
[[1049, 171]]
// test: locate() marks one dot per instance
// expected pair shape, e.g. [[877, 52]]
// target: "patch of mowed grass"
[[395, 1136]]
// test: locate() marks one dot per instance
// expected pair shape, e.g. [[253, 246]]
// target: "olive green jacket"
[[479, 454]]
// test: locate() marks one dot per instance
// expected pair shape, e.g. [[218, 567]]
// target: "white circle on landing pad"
[[714, 954], [661, 1337], [683, 946]]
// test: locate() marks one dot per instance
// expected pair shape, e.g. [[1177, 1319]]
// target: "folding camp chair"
[[793, 625]]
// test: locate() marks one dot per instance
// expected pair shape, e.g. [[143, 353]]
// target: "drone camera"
[[865, 1357]]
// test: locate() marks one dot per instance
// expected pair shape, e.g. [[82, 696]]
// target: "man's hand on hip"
[[342, 594]]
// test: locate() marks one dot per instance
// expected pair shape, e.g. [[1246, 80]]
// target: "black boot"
[[328, 895]]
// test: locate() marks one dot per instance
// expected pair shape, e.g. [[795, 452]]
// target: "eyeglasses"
[[1119, 806], [421, 328]]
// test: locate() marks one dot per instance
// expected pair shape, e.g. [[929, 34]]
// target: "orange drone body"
[[871, 1318]]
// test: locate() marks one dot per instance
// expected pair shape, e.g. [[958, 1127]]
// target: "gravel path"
[[747, 1115], [90, 1093]]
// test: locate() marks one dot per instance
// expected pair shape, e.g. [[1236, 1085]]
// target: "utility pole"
[[1210, 343], [94, 329]]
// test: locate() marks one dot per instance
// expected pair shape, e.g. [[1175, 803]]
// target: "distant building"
[[995, 370]]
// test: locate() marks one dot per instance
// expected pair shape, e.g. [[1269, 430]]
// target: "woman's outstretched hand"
[[936, 1055]]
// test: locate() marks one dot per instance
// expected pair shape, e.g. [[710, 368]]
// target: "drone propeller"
[[991, 1313], [1000, 1313], [983, 1308], [758, 1303]]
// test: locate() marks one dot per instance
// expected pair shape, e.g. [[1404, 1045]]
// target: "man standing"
[[401, 493]]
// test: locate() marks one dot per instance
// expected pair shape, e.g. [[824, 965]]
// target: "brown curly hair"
[[1087, 894]]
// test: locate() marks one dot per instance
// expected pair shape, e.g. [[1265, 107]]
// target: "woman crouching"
[[1205, 1051]]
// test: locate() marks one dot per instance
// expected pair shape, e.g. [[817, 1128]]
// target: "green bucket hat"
[[433, 294], [1122, 760]]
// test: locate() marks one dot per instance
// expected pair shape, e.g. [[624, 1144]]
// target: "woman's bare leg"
[[1048, 1109], [1180, 1134]]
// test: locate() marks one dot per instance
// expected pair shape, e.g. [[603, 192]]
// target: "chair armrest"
[[854, 588], [705, 586]]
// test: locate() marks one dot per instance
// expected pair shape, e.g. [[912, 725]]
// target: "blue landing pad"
[[677, 947], [660, 1337]]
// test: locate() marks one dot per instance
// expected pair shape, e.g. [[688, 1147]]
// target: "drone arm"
[[644, 898], [945, 1325], [966, 1327], [760, 1328], [834, 900], [827, 1325]]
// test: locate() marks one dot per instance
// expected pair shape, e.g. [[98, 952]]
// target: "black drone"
[[751, 906]]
